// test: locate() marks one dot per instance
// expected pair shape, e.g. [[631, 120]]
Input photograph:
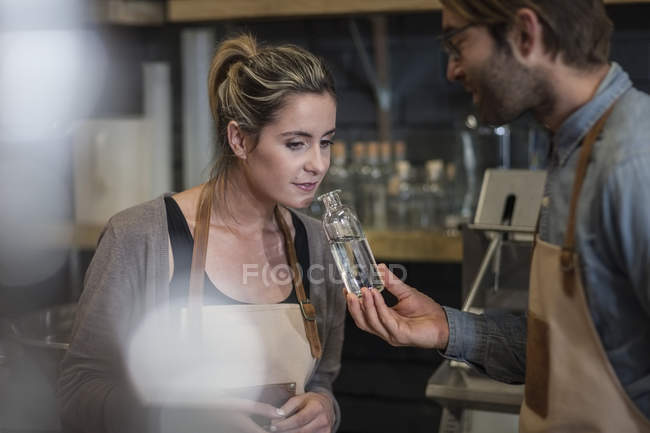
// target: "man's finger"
[[388, 318], [370, 314], [393, 284], [354, 307]]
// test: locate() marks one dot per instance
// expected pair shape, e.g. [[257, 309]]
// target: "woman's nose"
[[318, 160]]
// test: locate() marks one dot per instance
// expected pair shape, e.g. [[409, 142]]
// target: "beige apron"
[[276, 344], [259, 352], [570, 383]]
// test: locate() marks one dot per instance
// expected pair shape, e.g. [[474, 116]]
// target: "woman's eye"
[[295, 144], [326, 143]]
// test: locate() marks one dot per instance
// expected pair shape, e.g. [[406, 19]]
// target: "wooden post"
[[382, 68]]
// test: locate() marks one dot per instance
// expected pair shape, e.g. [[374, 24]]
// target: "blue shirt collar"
[[570, 134]]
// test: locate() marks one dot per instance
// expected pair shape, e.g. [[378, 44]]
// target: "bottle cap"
[[451, 170], [331, 199], [385, 151], [434, 169], [338, 150], [359, 150], [400, 150], [403, 169], [373, 151]]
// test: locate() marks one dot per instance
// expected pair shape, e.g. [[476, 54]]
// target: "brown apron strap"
[[197, 274], [568, 249], [201, 231], [308, 310]]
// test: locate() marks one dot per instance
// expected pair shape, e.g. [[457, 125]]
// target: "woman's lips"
[[307, 186]]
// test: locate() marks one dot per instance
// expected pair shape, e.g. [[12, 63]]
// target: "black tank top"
[[182, 244]]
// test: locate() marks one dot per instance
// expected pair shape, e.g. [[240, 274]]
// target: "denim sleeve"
[[493, 343], [627, 222]]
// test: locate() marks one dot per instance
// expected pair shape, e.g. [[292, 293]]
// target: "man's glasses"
[[446, 41]]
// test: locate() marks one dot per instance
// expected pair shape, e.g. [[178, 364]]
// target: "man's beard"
[[507, 89]]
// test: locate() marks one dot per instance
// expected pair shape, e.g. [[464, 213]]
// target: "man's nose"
[[454, 70]]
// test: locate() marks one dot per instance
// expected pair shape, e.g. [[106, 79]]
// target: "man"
[[583, 350]]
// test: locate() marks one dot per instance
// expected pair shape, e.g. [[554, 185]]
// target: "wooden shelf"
[[59, 236], [622, 2], [86, 236], [415, 246], [204, 10], [72, 14], [126, 12], [406, 246], [209, 10], [67, 236]]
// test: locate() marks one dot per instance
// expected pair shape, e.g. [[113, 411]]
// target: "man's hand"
[[416, 319], [311, 412]]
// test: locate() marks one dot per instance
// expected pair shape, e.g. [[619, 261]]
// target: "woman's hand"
[[311, 412], [416, 320], [234, 415]]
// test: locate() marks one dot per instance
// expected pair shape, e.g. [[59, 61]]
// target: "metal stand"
[[458, 388], [492, 249]]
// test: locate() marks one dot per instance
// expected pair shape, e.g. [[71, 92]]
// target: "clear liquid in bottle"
[[356, 264], [349, 246]]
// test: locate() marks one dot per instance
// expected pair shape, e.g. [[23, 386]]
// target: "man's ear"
[[237, 140], [526, 37]]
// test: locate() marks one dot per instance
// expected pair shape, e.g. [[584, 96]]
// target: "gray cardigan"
[[128, 277]]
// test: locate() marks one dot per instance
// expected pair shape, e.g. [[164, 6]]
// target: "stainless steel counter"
[[460, 387]]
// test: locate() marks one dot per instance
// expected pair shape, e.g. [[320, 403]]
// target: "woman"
[[275, 115]]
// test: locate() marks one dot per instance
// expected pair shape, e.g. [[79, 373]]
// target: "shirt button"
[[546, 201]]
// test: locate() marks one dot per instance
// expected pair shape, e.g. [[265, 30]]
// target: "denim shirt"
[[612, 240]]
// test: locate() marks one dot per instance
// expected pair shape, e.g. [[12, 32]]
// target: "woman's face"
[[292, 154]]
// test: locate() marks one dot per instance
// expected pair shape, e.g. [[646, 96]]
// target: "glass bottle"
[[338, 176], [433, 198], [354, 170], [349, 245], [372, 211], [401, 200], [386, 163], [455, 197], [399, 152]]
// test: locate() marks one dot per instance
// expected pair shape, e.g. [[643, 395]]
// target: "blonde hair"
[[579, 30], [249, 83]]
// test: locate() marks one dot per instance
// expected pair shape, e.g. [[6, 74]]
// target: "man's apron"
[[570, 383]]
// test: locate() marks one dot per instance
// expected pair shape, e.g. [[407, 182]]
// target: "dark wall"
[[381, 388], [426, 108]]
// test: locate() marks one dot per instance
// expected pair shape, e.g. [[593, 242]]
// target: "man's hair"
[[577, 30]]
